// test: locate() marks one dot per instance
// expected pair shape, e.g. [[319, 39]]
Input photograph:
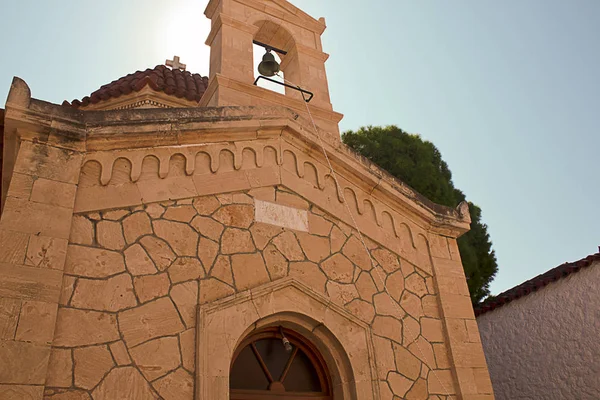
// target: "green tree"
[[419, 164]]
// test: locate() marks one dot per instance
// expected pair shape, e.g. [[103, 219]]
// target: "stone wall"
[[134, 277], [545, 345]]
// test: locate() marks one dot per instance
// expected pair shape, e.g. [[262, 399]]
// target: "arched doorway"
[[265, 368]]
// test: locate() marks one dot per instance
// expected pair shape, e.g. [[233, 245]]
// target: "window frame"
[[301, 343]]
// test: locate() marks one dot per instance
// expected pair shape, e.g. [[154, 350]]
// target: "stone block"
[[169, 188], [416, 285], [150, 287], [432, 330], [83, 328], [155, 210], [384, 357], [441, 383], [82, 231], [36, 322], [235, 215], [263, 233], [366, 287], [411, 330], [291, 200], [21, 392], [388, 327], [123, 383], [112, 294], [178, 385], [159, 251], [30, 283], [423, 350], [281, 215], [208, 227], [399, 384], [337, 239], [91, 364], [418, 391], [249, 270], [49, 162], [406, 363], [115, 215], [187, 341], [472, 331], [317, 225], [206, 205], [263, 193], [157, 357], [207, 252], [236, 241], [277, 265], [411, 304], [442, 358], [9, 315], [20, 186], [92, 262], [23, 363], [53, 193], [212, 289], [14, 246], [135, 226], [310, 274], [67, 290], [222, 270], [119, 353], [181, 237], [340, 293], [110, 235], [457, 306], [46, 252], [183, 213], [316, 248], [138, 262], [468, 355], [36, 218], [222, 182], [482, 380], [185, 269], [338, 268], [185, 297], [355, 251], [104, 197], [363, 310], [149, 321], [431, 307], [386, 305]]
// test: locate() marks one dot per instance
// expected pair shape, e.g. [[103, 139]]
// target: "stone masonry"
[[139, 247], [133, 278]]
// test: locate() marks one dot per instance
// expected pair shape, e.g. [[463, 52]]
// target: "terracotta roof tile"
[[535, 284], [182, 84]]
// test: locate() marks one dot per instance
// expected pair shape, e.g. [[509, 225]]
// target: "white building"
[[542, 338]]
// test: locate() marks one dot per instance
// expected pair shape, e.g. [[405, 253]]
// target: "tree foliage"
[[419, 164]]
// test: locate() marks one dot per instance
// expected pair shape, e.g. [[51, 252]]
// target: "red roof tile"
[[535, 284], [182, 84]]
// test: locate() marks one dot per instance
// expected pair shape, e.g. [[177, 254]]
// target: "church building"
[[181, 237]]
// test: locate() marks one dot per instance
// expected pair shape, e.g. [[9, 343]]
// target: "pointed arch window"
[[263, 369]]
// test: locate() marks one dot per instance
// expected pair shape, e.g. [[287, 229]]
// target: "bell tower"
[[236, 25]]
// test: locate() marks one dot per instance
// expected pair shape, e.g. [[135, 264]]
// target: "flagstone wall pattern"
[[133, 278]]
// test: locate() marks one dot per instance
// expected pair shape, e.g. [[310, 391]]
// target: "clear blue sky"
[[508, 91]]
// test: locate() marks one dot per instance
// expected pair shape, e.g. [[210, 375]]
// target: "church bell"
[[268, 66]]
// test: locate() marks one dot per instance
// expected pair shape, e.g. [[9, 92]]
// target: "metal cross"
[[175, 64]]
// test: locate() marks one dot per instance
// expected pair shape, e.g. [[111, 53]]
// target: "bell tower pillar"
[[235, 24]]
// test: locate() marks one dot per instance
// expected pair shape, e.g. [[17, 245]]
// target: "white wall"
[[546, 345]]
